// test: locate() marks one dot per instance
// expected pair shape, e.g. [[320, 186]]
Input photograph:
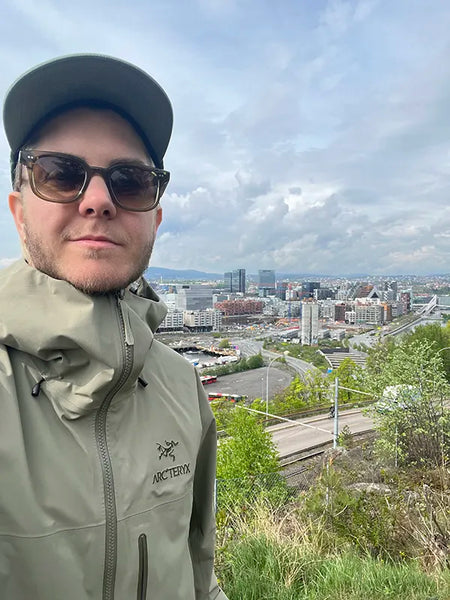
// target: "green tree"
[[414, 425], [225, 343], [254, 362], [223, 411], [291, 400], [317, 388], [247, 464], [248, 449], [350, 375], [377, 356], [438, 337]]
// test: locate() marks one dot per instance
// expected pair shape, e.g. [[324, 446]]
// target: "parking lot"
[[252, 383]]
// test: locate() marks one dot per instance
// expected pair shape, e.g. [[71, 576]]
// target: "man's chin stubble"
[[89, 285]]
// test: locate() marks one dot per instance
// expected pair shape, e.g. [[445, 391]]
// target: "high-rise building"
[[228, 281], [392, 288], [238, 281], [266, 282], [235, 281], [310, 323]]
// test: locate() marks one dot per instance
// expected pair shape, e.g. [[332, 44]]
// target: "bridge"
[[427, 309]]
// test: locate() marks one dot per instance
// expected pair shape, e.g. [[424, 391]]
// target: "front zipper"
[[143, 567], [110, 565]]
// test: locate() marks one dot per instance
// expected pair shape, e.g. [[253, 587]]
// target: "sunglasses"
[[64, 178]]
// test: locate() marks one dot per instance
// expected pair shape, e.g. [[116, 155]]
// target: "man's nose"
[[96, 200]]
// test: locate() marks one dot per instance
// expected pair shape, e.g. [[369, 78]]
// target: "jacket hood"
[[75, 342]]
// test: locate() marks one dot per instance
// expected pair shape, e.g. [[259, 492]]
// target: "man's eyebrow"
[[132, 162]]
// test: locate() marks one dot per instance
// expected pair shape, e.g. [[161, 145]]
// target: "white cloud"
[[308, 136]]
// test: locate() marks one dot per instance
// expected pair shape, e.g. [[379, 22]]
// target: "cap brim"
[[88, 78]]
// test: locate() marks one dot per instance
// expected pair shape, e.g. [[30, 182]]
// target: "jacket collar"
[[76, 341]]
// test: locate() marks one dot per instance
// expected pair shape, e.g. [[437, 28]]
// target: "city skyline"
[[197, 273], [320, 145]]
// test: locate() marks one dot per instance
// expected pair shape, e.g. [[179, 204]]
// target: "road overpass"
[[291, 438]]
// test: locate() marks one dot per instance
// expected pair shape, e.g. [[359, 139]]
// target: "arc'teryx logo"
[[167, 450]]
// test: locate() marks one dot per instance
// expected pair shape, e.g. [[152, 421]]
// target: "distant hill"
[[156, 273]]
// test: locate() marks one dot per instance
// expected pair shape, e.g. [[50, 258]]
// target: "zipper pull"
[[125, 318]]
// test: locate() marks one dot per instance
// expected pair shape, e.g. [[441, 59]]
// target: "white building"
[[173, 321], [310, 323], [203, 320], [169, 300], [370, 313], [350, 316], [327, 310]]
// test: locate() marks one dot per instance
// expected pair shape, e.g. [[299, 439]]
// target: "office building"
[[282, 290], [194, 297], [308, 288], [238, 281], [322, 293], [228, 281], [266, 282], [234, 281]]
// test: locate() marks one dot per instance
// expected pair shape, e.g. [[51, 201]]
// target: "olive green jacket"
[[107, 449]]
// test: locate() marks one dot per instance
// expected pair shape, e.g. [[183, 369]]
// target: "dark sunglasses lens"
[[58, 178], [134, 188]]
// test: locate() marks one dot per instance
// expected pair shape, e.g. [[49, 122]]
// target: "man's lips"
[[95, 241]]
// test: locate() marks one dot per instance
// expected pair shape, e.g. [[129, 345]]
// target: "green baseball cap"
[[88, 79]]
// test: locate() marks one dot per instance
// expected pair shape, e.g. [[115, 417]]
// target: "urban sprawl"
[[305, 311]]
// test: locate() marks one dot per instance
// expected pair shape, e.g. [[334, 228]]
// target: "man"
[[107, 442]]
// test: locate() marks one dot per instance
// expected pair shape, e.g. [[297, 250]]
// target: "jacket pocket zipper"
[[143, 567]]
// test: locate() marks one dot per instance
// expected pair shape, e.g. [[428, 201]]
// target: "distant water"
[[200, 357]]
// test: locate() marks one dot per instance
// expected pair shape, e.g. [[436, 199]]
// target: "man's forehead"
[[77, 129], [68, 123]]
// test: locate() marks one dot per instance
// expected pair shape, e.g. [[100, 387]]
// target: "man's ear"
[[15, 202], [158, 217]]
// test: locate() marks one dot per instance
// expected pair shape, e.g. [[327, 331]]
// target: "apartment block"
[[240, 307], [203, 320], [310, 323]]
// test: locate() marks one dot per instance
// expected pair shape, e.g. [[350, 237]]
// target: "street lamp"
[[442, 349], [285, 353]]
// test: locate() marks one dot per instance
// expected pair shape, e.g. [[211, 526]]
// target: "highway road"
[[290, 438], [301, 366], [249, 347]]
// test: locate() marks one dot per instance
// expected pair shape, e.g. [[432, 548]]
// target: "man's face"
[[91, 243]]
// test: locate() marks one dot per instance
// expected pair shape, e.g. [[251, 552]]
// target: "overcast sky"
[[310, 136]]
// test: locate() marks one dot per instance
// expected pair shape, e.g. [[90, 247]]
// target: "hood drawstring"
[[142, 381], [36, 389]]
